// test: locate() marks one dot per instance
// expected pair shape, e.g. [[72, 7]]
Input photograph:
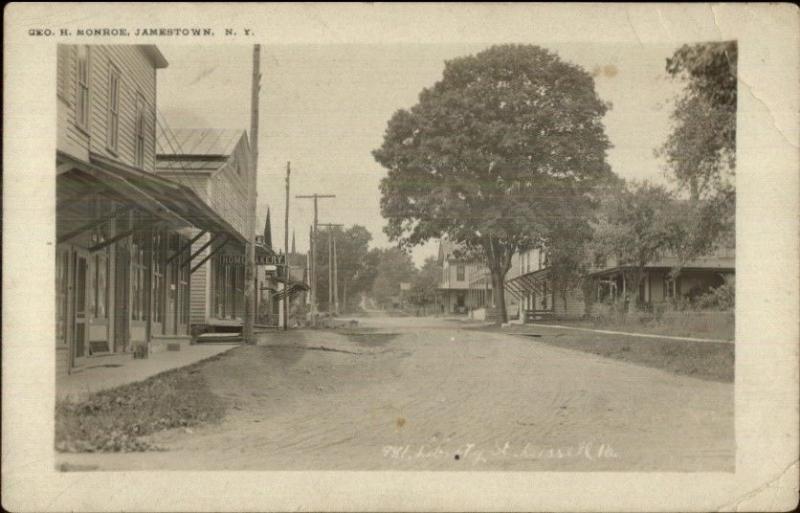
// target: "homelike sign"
[[260, 259]]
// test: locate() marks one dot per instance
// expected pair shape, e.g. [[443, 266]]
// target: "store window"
[[138, 273], [100, 307], [62, 288], [183, 294], [98, 277], [219, 286], [158, 277], [228, 290]]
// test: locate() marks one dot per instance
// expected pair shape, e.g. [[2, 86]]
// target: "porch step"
[[492, 314], [212, 338], [531, 316]]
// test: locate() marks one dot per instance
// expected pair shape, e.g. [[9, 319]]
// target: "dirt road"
[[431, 395]]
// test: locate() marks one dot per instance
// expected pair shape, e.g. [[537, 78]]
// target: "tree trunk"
[[588, 288], [694, 191], [637, 278], [498, 284]]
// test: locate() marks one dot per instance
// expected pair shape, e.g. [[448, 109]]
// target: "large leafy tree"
[[497, 156], [638, 225], [700, 151], [568, 259]]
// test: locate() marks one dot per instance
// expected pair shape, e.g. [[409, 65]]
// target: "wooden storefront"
[[122, 272]]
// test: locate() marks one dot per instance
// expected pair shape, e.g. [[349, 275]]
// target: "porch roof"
[[162, 198], [527, 283], [661, 266], [294, 288]]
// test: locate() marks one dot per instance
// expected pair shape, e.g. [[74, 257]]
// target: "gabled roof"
[[198, 142], [196, 149]]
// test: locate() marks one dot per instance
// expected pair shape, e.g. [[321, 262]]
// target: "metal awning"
[[532, 282], [294, 287], [178, 197], [162, 198]]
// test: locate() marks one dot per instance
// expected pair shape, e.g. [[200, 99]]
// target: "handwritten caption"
[[478, 454]]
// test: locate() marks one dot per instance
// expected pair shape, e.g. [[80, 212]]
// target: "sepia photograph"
[[528, 280], [409, 257]]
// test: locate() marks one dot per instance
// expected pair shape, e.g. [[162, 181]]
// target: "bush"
[[720, 298]]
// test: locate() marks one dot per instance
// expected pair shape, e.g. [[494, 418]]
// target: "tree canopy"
[[394, 266], [499, 155], [638, 225], [423, 287], [353, 273], [701, 149]]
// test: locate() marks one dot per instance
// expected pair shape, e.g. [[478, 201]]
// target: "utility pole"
[[309, 268], [344, 297], [250, 262], [335, 282], [286, 251], [315, 197], [332, 300]]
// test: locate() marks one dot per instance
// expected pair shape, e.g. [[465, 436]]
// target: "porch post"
[[148, 307]]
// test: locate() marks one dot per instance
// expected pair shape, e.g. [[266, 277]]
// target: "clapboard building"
[[217, 165], [122, 276]]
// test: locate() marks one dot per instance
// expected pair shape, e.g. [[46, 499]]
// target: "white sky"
[[325, 108]]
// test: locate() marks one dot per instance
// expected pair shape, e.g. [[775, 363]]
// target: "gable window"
[[82, 88], [113, 107], [460, 272], [140, 129]]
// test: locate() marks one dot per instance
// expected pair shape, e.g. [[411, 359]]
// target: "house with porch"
[[666, 279], [531, 288], [122, 282], [541, 297], [465, 285]]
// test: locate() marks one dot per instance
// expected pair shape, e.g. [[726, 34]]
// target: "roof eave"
[[155, 55]]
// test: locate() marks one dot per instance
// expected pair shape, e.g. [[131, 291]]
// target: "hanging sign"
[[260, 259]]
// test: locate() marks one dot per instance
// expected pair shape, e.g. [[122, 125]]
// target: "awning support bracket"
[[124, 234], [74, 199], [511, 286], [186, 246], [213, 251], [94, 223], [213, 238]]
